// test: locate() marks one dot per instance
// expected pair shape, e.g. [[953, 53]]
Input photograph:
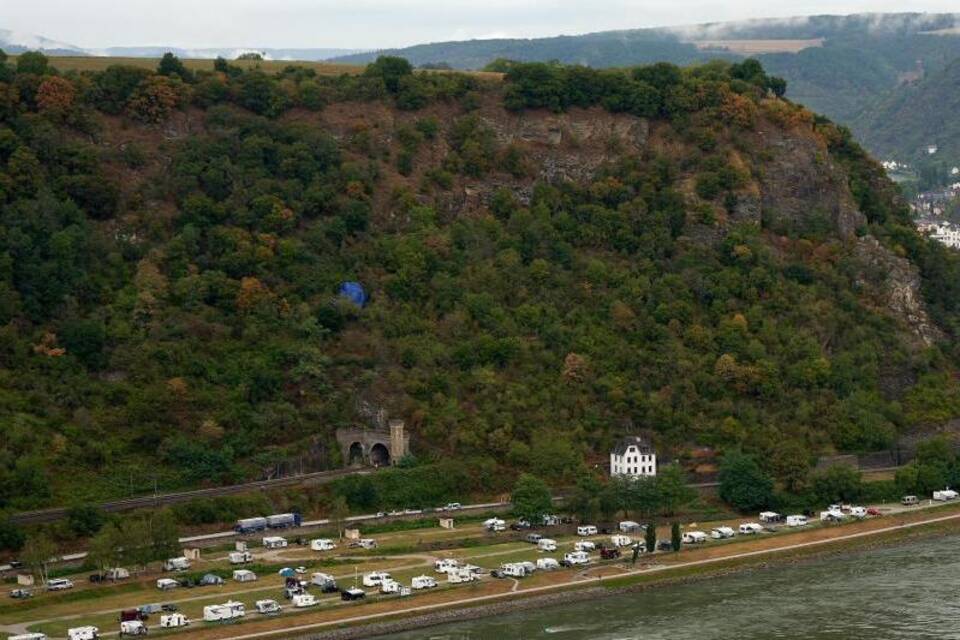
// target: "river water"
[[909, 591]]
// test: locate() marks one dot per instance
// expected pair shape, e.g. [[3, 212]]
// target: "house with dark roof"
[[633, 456]]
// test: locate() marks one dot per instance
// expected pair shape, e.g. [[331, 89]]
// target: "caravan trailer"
[[176, 564], [445, 565], [244, 575], [226, 611], [620, 540], [629, 526], [274, 542], [133, 628], [325, 581], [29, 636], [770, 517], [547, 564], [797, 521], [945, 495], [173, 620], [267, 607], [374, 578], [720, 533], [495, 525], [463, 574], [575, 557], [586, 530], [584, 545], [304, 600], [83, 633], [694, 537], [322, 544], [240, 557], [748, 528]]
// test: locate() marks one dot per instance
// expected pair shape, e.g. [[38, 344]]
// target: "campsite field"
[[411, 553]]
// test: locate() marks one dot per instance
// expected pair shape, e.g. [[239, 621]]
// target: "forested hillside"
[[551, 261], [907, 120], [860, 57]]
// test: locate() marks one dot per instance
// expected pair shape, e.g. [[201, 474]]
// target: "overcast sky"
[[384, 23]]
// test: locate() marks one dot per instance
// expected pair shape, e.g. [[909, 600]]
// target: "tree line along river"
[[892, 593]]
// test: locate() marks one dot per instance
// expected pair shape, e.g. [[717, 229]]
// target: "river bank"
[[667, 575]]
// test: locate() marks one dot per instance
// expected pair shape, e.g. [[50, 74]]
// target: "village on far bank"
[[935, 208]]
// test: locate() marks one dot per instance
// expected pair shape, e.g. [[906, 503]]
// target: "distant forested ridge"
[[550, 261]]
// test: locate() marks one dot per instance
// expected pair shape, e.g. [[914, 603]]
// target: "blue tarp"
[[354, 292]]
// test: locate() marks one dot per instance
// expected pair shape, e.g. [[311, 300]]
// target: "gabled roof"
[[643, 445]]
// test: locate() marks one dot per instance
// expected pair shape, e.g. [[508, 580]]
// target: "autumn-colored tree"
[[55, 96], [155, 99]]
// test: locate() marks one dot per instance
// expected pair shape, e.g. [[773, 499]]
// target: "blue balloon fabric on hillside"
[[354, 292]]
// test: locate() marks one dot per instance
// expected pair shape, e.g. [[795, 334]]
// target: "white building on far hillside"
[[633, 456]]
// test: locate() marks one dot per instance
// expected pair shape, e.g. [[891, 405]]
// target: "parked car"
[[609, 553], [664, 545], [132, 614], [352, 594], [169, 607], [453, 506], [873, 511], [533, 538], [21, 594], [59, 584]]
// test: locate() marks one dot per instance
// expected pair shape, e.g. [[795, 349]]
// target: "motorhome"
[[325, 581], [831, 516], [304, 600], [495, 525], [166, 584], [748, 528], [460, 575], [176, 564], [620, 540], [59, 584], [274, 542], [547, 564], [250, 525], [945, 495], [226, 611], [352, 594], [374, 578], [240, 557], [586, 530], [83, 633], [445, 565], [173, 621], [576, 557], [797, 521], [244, 575], [283, 520], [133, 628], [394, 587], [584, 545], [322, 544], [423, 582], [770, 516], [546, 544], [267, 607], [629, 526], [719, 533], [858, 512], [694, 537]]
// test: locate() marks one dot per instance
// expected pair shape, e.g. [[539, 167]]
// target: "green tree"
[[38, 554], [164, 534], [391, 69], [531, 498], [676, 537], [170, 65], [339, 510], [12, 537], [33, 62], [85, 520], [650, 537], [840, 483], [743, 484], [105, 549], [672, 490], [584, 501]]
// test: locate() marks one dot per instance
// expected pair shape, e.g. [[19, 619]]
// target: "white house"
[[633, 456]]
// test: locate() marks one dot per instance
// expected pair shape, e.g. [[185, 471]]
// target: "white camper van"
[[83, 633], [322, 544], [748, 528], [495, 525], [226, 611], [584, 545], [423, 582], [374, 578], [586, 530], [445, 565], [546, 544], [576, 557], [304, 600], [721, 533], [797, 521]]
